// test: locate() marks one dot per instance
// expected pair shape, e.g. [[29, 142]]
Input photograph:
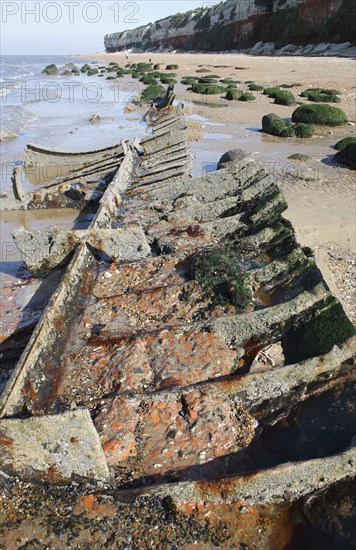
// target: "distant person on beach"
[[127, 57]]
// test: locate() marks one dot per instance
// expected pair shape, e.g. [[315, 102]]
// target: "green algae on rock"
[[50, 69], [300, 157], [344, 142], [319, 114], [318, 336], [347, 155], [219, 272], [303, 130], [152, 92], [276, 126]]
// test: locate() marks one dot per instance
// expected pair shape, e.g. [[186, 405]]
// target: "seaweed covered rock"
[[275, 126], [347, 155], [85, 68], [143, 67], [51, 69], [167, 79], [303, 130], [271, 91], [283, 97], [171, 67], [235, 94], [319, 97], [152, 92], [232, 94], [207, 80], [344, 142], [148, 80], [299, 157], [322, 95], [255, 88], [247, 96], [189, 80], [319, 114], [207, 89], [218, 272]]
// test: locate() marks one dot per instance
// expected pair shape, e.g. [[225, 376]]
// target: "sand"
[[320, 194]]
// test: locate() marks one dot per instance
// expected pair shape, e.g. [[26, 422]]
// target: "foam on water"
[[16, 117]]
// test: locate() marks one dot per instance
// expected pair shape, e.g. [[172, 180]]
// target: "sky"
[[77, 26]]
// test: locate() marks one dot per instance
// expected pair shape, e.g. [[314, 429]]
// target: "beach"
[[320, 194]]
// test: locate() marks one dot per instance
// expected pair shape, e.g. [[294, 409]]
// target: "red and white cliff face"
[[237, 24]]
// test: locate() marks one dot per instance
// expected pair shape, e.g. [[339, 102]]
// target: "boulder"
[[235, 155], [268, 48], [348, 52], [288, 50], [50, 69], [257, 48], [335, 48], [67, 68], [321, 48]]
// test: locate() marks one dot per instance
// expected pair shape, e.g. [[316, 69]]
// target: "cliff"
[[240, 24]]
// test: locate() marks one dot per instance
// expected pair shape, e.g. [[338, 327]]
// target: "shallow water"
[[217, 135], [204, 120], [54, 111]]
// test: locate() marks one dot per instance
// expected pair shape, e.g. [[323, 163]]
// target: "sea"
[[55, 112]]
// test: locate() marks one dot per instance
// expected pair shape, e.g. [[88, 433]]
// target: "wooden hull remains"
[[203, 352]]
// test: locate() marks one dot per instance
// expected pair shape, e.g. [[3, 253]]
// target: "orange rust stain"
[[154, 416], [88, 502], [218, 487], [112, 445], [29, 390], [126, 452], [53, 474], [283, 525], [59, 322], [6, 441]]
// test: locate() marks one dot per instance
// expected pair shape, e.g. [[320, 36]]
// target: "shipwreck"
[[190, 379]]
